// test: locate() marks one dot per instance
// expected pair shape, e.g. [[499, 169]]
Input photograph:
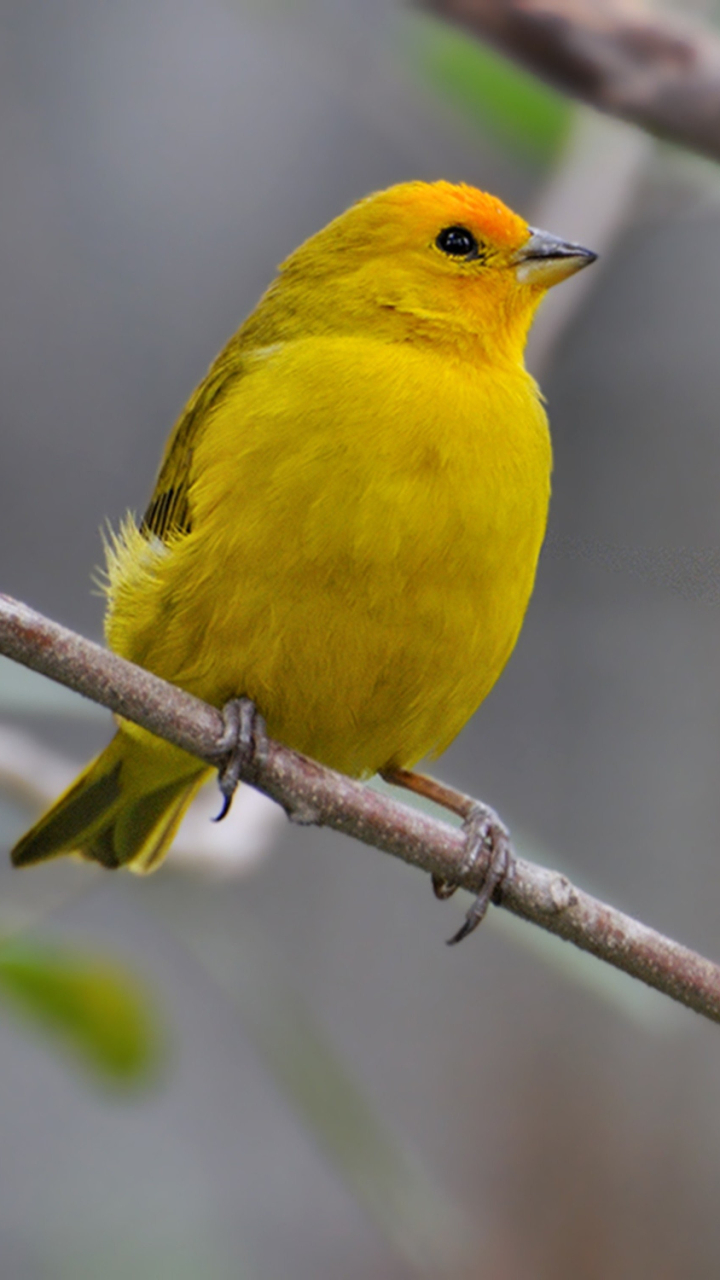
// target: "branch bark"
[[649, 68], [313, 794]]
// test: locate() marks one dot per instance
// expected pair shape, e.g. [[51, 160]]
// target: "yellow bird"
[[348, 515]]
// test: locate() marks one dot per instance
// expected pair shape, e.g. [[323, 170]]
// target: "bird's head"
[[432, 261]]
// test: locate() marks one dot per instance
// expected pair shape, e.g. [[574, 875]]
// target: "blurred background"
[[263, 1062]]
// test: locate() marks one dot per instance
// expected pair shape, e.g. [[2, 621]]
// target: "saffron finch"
[[348, 514]]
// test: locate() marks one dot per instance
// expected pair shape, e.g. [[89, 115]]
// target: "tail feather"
[[123, 810]]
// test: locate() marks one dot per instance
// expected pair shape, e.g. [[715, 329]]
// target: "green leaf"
[[524, 114], [85, 1004]]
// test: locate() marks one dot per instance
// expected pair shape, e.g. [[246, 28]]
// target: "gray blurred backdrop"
[[526, 1114]]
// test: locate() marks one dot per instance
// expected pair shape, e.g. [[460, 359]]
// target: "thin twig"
[[313, 794], [647, 67]]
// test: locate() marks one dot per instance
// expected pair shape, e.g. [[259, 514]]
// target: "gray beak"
[[545, 259]]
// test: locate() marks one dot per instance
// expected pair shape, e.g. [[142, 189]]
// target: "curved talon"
[[487, 837], [226, 806], [244, 737]]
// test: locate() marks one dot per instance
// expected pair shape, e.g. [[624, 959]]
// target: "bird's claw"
[[244, 740], [486, 838]]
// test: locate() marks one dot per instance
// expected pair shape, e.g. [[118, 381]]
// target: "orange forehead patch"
[[498, 222], [446, 203]]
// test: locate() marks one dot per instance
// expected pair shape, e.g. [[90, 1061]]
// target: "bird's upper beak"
[[545, 259]]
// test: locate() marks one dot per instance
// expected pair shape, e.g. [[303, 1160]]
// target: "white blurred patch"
[[30, 771], [236, 845]]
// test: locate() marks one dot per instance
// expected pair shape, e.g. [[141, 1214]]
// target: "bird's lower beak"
[[545, 259]]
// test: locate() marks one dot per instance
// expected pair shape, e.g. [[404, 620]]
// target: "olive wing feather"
[[169, 511]]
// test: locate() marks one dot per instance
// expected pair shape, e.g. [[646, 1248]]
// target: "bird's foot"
[[487, 843], [244, 740]]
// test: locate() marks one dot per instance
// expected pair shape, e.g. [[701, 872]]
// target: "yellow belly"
[[361, 571]]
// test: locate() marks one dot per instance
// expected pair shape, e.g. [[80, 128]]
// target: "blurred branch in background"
[[594, 167], [589, 195], [312, 794], [649, 68]]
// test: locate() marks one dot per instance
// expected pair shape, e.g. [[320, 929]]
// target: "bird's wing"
[[168, 513]]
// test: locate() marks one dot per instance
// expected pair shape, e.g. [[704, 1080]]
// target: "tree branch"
[[313, 794], [650, 68]]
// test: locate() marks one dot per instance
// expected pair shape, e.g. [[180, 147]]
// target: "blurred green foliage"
[[525, 115], [85, 1004]]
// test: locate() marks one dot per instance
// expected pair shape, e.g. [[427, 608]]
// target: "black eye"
[[457, 242]]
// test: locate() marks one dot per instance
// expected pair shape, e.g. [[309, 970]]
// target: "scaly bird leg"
[[486, 837], [244, 739]]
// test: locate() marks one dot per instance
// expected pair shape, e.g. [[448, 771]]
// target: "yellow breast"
[[360, 569]]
